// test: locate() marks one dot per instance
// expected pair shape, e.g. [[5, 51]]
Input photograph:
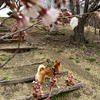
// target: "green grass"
[[82, 48], [91, 45], [63, 96], [5, 78], [50, 65], [2, 59], [97, 62], [71, 58], [60, 51], [43, 58], [77, 95], [87, 69], [77, 61], [91, 59], [97, 51]]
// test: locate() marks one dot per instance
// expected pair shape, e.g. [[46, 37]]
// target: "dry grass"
[[15, 70]]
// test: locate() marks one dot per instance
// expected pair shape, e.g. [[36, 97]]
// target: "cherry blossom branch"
[[12, 56], [8, 35], [78, 15]]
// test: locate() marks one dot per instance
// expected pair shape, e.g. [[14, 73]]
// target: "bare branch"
[[12, 56]]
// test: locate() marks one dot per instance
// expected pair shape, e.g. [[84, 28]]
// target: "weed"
[[77, 61], [82, 48], [77, 95], [43, 58], [2, 59], [60, 51], [97, 62], [75, 79], [5, 78], [65, 95], [50, 65], [97, 51], [87, 69], [31, 49], [91, 45], [91, 59], [71, 58]]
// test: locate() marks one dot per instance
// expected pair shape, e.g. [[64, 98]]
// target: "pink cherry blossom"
[[23, 20], [74, 22], [32, 10], [72, 76], [50, 16], [29, 11]]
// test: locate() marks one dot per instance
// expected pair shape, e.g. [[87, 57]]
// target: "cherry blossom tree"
[[77, 7]]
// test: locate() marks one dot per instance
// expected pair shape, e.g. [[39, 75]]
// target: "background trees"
[[82, 6]]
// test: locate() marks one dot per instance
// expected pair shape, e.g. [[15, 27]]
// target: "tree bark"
[[79, 32]]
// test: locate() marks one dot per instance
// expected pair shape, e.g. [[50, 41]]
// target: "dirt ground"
[[73, 59]]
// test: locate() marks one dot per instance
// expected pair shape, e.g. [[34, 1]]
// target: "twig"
[[39, 28], [8, 35], [4, 20], [12, 56]]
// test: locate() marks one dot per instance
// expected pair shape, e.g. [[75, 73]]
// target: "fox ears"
[[57, 62]]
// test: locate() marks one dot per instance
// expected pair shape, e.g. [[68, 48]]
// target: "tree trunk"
[[79, 32]]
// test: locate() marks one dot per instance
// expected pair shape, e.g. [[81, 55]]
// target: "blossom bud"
[[64, 2], [68, 13], [66, 18], [57, 22], [51, 25], [55, 1], [73, 83], [37, 19], [60, 19], [33, 82], [72, 76], [67, 80], [64, 24], [98, 15], [48, 30], [54, 80], [77, 16], [51, 81], [39, 84], [33, 92], [36, 90], [96, 12], [41, 95], [23, 32], [59, 5]]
